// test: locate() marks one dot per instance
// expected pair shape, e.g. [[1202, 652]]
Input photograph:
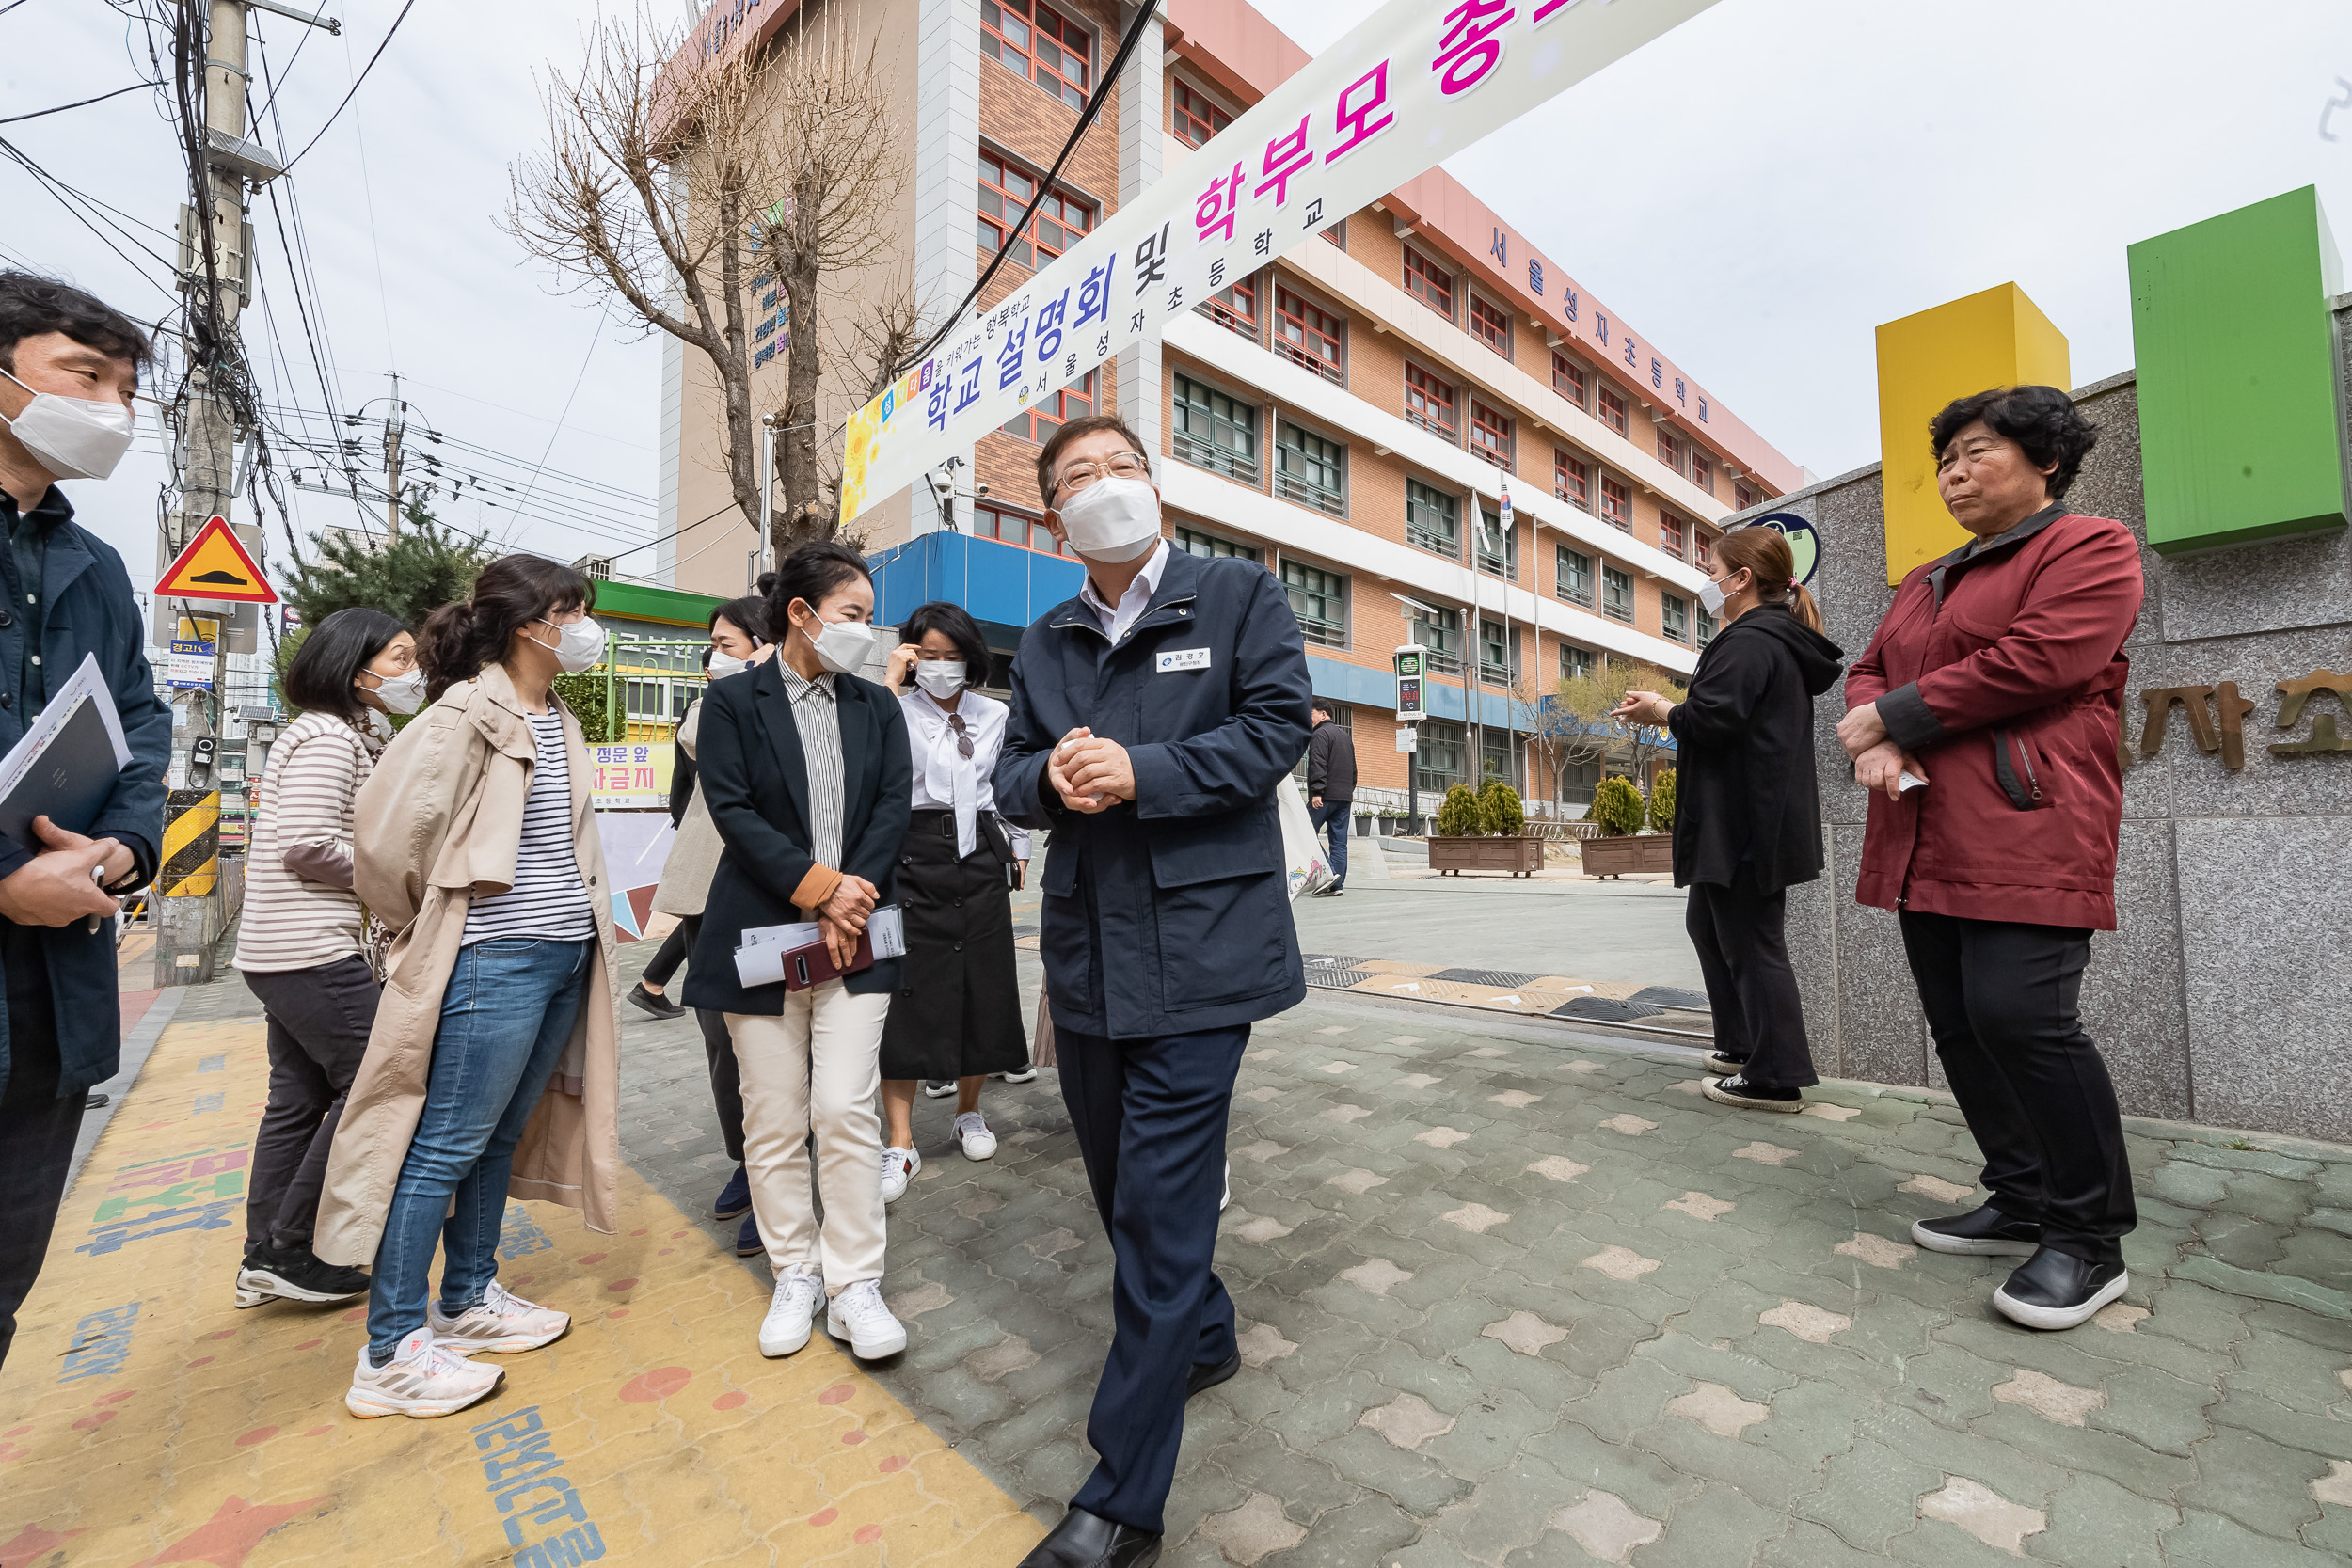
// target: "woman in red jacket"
[[1995, 681]]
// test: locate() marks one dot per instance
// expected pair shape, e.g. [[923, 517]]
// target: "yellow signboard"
[[214, 566]]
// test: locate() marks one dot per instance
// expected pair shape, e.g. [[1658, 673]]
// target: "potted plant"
[[1619, 811], [1484, 831]]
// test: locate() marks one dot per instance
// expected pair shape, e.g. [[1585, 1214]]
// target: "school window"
[[1311, 470], [1498, 651], [1337, 234], [1707, 627], [1702, 469], [1571, 481], [1209, 547], [1617, 507], [1491, 326], [1669, 449], [1428, 402], [1196, 119], [1703, 550], [1429, 519], [1308, 335], [1441, 632], [1498, 551], [1005, 191], [1617, 595], [1575, 663], [1235, 308], [1428, 282], [1674, 617], [1501, 759], [1572, 576], [1438, 757], [1612, 409], [1671, 534], [1041, 43], [1014, 528], [1319, 599], [1567, 379], [1742, 497], [1037, 423], [1490, 435], [1577, 780], [1215, 430]]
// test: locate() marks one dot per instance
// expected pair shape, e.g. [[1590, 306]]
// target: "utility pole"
[[395, 426]]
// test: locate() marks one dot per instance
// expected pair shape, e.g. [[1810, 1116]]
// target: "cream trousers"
[[816, 1067]]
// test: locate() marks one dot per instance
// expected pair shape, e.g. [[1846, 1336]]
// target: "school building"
[[1350, 416]]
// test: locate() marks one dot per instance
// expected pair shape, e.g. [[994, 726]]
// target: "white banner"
[[1408, 88]]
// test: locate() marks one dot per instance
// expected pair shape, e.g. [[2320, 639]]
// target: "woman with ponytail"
[[1747, 810], [492, 1070]]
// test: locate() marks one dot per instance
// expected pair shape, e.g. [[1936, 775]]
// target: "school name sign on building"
[[1412, 87]]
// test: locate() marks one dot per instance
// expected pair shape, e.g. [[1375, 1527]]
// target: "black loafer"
[[645, 1000], [1982, 1232], [2057, 1289], [1205, 1375], [1084, 1539]]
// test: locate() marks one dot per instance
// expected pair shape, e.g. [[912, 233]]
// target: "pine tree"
[[409, 577]]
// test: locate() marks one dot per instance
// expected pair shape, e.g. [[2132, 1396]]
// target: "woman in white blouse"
[[958, 1011]]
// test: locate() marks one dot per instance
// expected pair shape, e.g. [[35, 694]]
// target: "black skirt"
[[957, 1013]]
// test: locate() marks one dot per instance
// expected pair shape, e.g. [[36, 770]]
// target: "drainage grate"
[[1336, 979], [1510, 979], [1331, 960], [1604, 1009], [1673, 996]]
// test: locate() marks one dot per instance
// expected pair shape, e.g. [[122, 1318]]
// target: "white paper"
[[797, 935], [1910, 781], [85, 682], [759, 966], [887, 926]]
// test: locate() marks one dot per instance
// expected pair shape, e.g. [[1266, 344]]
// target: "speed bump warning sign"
[[214, 566]]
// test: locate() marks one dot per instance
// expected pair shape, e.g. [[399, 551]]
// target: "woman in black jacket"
[[1747, 810]]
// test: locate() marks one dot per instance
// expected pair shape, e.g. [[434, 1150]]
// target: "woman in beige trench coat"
[[493, 1067]]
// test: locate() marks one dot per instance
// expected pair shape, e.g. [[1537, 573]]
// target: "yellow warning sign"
[[214, 566]]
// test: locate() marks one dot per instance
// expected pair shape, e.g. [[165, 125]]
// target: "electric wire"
[[79, 102], [355, 85]]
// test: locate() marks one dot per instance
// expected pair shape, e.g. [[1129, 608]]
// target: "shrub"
[[1500, 806], [1617, 807], [1661, 802], [1460, 816]]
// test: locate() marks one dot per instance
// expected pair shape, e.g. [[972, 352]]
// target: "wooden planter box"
[[1519, 857], [1637, 852]]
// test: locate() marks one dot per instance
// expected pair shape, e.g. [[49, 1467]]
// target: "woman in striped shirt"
[[302, 943], [493, 1069]]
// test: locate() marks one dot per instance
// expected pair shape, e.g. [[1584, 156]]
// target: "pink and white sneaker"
[[423, 1378], [503, 1324]]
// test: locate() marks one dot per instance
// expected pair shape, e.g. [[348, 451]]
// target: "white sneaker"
[[423, 1378], [973, 1133], [503, 1323], [858, 1315], [1024, 1076], [938, 1088], [792, 1309], [898, 1168]]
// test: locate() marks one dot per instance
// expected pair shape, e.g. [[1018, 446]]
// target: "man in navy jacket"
[[1153, 717], [69, 366]]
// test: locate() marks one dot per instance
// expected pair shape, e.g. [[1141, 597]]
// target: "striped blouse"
[[299, 910], [549, 901]]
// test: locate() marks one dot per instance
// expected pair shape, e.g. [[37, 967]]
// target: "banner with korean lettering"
[[630, 777], [1409, 87]]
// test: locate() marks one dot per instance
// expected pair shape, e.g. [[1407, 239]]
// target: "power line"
[[77, 104], [355, 86]]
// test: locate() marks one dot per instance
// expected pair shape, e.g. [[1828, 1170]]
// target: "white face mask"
[[1113, 519], [578, 645], [943, 678], [1711, 597], [71, 437], [723, 665], [842, 645], [401, 693]]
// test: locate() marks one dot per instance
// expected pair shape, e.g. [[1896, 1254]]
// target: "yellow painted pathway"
[[144, 1421]]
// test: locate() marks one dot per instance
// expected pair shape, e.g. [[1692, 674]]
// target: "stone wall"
[[2226, 995]]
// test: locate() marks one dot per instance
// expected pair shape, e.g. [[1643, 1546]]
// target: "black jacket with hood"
[[1744, 785]]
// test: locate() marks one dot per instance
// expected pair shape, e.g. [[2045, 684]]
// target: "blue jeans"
[[505, 1018], [1333, 819]]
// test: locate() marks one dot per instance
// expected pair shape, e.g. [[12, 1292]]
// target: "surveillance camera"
[[981, 488]]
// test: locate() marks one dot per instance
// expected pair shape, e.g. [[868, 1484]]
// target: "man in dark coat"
[[1153, 717], [1331, 789], [71, 366]]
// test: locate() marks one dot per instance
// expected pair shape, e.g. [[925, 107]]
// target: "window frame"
[[1318, 631], [1180, 115], [1432, 274], [1033, 525], [1508, 672], [1674, 618], [1061, 89], [1440, 660], [1674, 535], [1702, 469], [1224, 307], [1506, 565], [1617, 594], [1606, 392], [1742, 499], [1331, 501], [1056, 209], [1562, 462], [1303, 353], [1616, 503], [1233, 548], [1213, 459], [1503, 456], [1571, 666], [1670, 447], [1037, 425], [1703, 549], [1417, 536], [1453, 737], [1563, 576], [1429, 380], [1495, 317], [1566, 364]]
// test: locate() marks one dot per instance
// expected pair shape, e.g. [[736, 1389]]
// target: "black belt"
[[990, 825]]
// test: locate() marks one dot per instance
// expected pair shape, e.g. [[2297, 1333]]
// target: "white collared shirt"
[[1132, 604], [945, 779]]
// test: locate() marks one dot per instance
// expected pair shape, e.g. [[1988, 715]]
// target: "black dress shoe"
[[659, 1006], [2058, 1290], [1205, 1376], [1084, 1539], [1985, 1232]]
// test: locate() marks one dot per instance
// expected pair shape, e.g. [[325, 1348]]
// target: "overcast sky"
[[1755, 192]]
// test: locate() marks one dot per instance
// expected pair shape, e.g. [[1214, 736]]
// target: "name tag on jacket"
[[1184, 659]]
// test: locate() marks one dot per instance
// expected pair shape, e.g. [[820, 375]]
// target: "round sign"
[[1803, 542]]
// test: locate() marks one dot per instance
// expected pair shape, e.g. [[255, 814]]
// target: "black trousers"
[[40, 1118], [1743, 955], [670, 956], [1149, 1115], [2000, 999], [319, 1021], [727, 1083]]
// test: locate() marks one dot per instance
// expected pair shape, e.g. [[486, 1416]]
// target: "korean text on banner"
[[632, 777], [1407, 89]]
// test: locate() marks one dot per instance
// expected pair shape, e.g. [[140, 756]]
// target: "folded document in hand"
[[762, 957], [66, 765]]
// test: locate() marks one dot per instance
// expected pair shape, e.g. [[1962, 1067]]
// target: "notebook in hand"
[[68, 778]]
